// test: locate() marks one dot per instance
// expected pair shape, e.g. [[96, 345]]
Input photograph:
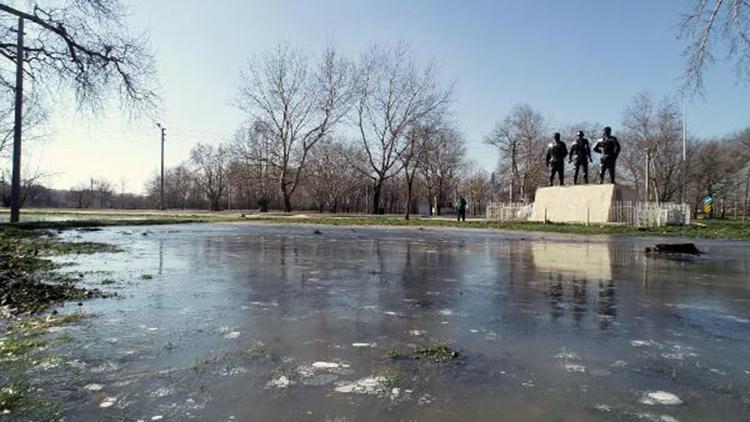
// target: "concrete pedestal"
[[579, 203]]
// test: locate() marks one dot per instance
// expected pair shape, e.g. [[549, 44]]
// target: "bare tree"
[[255, 153], [654, 153], [416, 143], [476, 187], [34, 115], [440, 165], [520, 140], [31, 179], [715, 170], [211, 164], [78, 44], [392, 95], [102, 188], [332, 181], [83, 45], [710, 25], [297, 104]]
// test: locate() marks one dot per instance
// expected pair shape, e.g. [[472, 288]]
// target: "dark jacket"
[[556, 152], [608, 147], [580, 151]]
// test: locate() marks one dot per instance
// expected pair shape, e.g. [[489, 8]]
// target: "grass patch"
[[435, 352], [13, 348], [94, 224], [714, 229], [394, 353], [708, 229], [28, 280], [13, 396], [37, 325], [391, 377]]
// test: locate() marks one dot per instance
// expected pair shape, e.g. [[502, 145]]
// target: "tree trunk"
[[376, 190], [409, 184]]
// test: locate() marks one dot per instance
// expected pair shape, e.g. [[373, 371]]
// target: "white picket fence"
[[634, 214], [649, 214], [503, 211]]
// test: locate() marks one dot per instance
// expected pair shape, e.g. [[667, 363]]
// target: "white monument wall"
[[579, 203]]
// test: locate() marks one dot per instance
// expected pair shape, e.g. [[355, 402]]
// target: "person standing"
[[461, 209], [609, 148], [581, 150], [556, 153]]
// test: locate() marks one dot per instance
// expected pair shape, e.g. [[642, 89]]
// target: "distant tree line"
[[332, 134], [377, 135], [95, 193]]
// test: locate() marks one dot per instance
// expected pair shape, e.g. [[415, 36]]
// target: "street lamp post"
[[161, 181]]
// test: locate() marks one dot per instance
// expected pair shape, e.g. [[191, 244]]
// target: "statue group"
[[580, 156]]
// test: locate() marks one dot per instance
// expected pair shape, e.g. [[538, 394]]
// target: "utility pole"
[[684, 152], [161, 182], [15, 189], [648, 172]]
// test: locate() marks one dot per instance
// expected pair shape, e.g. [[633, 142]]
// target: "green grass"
[[436, 352], [28, 226], [714, 229], [37, 325], [13, 395]]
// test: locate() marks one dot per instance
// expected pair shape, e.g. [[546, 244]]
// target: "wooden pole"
[[15, 190]]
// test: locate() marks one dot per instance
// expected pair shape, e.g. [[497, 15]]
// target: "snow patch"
[[329, 365], [369, 386], [108, 402], [94, 387], [660, 398], [280, 382]]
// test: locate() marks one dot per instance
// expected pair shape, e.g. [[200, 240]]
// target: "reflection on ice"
[[274, 323]]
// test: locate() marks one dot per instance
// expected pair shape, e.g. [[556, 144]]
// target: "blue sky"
[[573, 60]]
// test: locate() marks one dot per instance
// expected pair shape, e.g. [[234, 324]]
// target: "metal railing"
[[633, 214], [514, 211], [649, 214]]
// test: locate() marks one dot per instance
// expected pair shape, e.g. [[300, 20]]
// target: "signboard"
[[708, 204]]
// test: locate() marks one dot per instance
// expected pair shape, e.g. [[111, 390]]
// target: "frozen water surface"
[[253, 322]]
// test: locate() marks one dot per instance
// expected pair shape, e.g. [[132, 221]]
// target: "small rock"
[[687, 248]]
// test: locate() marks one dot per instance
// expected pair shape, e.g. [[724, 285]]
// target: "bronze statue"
[[609, 148], [580, 152], [556, 153]]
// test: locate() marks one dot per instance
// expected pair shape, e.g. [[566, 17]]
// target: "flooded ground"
[[252, 322]]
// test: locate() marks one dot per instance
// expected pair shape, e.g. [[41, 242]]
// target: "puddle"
[[242, 322]]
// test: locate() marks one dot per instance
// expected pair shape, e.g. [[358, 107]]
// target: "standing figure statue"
[[609, 148], [556, 153], [580, 152]]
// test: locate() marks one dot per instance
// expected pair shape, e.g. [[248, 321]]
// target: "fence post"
[[588, 213], [545, 215]]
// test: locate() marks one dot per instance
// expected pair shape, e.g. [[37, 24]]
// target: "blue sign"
[[708, 200]]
